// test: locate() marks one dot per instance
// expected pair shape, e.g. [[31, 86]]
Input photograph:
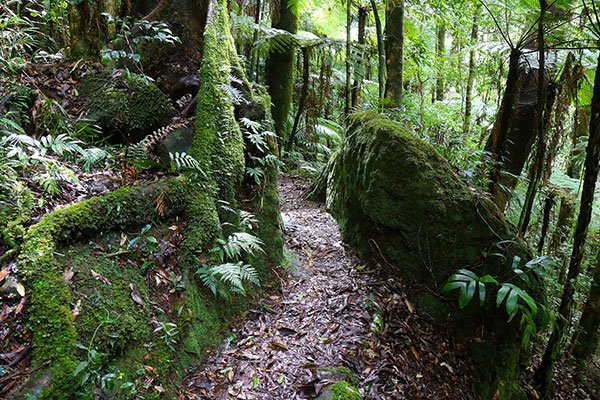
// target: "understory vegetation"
[[457, 144]]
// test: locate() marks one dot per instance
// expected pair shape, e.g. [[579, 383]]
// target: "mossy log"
[[397, 199], [58, 242]]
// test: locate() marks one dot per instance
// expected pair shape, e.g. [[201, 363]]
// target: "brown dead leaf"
[[160, 204], [135, 295], [278, 346], [415, 353], [68, 274], [3, 273], [75, 312], [20, 306], [99, 277], [159, 389]]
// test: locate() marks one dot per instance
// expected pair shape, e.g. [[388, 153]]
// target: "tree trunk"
[[380, 51], [580, 129], [546, 221], [497, 142], [565, 219], [359, 72], [348, 85], [543, 376], [394, 51], [440, 50], [514, 131], [303, 95], [88, 27], [252, 56], [280, 69], [537, 167], [568, 200], [585, 342], [471, 76]]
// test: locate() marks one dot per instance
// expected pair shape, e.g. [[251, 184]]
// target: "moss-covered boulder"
[[397, 199], [127, 106]]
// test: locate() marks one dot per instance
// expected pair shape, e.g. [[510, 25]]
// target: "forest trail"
[[331, 310]]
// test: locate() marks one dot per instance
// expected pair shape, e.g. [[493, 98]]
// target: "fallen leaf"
[[99, 277], [21, 289], [20, 306], [159, 389], [135, 295], [445, 364], [278, 346], [75, 312], [68, 274]]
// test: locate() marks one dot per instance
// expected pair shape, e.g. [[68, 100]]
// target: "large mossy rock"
[[395, 196], [126, 106]]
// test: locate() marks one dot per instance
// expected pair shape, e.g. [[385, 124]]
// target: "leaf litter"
[[331, 310]]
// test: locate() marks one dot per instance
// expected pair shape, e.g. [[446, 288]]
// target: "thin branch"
[[521, 44], [506, 39]]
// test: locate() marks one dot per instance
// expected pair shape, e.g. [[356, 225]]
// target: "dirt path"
[[330, 310]]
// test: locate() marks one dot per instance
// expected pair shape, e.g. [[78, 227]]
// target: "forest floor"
[[331, 310]]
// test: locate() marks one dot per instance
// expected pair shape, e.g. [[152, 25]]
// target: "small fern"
[[184, 161], [237, 244], [233, 274], [230, 274]]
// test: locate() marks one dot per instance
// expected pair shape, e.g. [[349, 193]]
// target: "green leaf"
[[468, 273], [82, 365], [511, 304], [481, 293], [516, 262], [146, 228], [453, 285], [465, 295], [489, 279], [502, 294]]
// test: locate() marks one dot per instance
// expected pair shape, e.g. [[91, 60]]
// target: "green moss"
[[279, 70], [126, 104], [342, 390], [218, 144], [54, 333], [109, 321]]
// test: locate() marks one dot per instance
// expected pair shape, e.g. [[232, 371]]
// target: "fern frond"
[[184, 161], [244, 242]]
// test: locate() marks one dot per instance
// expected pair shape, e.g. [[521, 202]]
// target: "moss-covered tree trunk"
[[359, 70], [394, 51], [543, 375], [585, 341], [279, 68], [88, 27], [380, 51], [440, 52]]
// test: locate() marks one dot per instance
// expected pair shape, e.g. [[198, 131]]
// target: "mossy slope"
[[395, 196]]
